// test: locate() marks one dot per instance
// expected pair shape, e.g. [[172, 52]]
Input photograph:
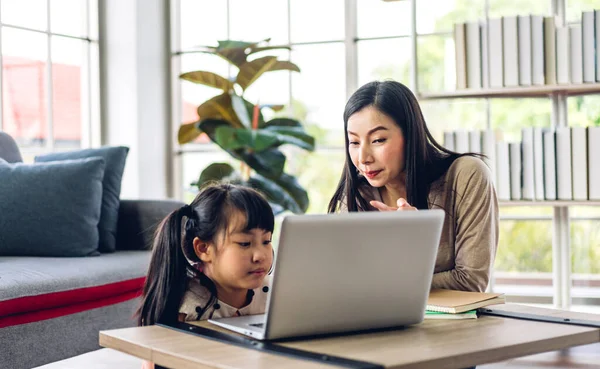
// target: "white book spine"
[[496, 57], [594, 163], [576, 62], [579, 162], [503, 170], [528, 164], [485, 63], [538, 161], [564, 175], [597, 34], [511, 51], [449, 140], [461, 141], [537, 50], [475, 141], [515, 171], [461, 55], [525, 58], [488, 144], [550, 50], [473, 55], [549, 164], [563, 52], [588, 34]]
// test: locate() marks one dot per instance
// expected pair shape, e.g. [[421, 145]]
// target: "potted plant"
[[238, 126]]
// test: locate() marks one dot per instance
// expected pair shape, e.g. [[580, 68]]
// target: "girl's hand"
[[403, 205]]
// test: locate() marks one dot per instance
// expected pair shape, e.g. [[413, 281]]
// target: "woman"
[[394, 164]]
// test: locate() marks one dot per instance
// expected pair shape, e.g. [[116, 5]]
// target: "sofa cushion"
[[35, 285], [114, 158], [50, 209], [9, 150]]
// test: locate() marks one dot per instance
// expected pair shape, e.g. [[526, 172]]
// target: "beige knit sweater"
[[469, 237]]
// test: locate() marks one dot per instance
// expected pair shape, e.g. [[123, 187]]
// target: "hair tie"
[[187, 211]]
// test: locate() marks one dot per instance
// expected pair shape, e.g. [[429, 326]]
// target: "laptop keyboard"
[[258, 325]]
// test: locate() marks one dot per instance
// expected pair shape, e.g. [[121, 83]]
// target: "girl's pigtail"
[[166, 279]]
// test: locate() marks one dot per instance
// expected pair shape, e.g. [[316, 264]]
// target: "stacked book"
[[527, 50], [451, 304], [547, 164]]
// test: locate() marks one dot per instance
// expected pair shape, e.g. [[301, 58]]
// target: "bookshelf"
[[557, 91], [543, 91]]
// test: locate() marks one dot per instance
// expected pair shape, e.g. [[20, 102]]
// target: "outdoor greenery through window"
[[317, 94], [49, 70]]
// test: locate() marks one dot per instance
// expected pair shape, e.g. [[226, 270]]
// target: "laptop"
[[337, 273]]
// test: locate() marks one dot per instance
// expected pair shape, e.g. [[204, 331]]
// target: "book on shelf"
[[473, 55], [516, 183], [460, 45], [549, 143], [455, 302], [597, 22], [563, 70], [510, 45], [436, 315], [538, 163], [564, 190], [496, 58], [550, 50], [528, 164], [525, 56], [576, 54], [579, 163], [537, 50], [588, 38], [593, 149], [502, 171]]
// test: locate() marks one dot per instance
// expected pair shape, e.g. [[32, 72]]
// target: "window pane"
[[440, 16], [69, 17], [449, 115], [436, 63], [259, 19], [523, 263], [24, 86], [319, 91], [203, 22], [383, 59], [318, 172], [193, 164], [584, 111], [499, 8], [509, 116], [308, 25], [25, 13], [380, 18], [575, 7], [271, 87], [67, 63], [585, 250]]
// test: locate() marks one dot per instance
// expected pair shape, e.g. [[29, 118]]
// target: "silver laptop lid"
[[346, 272]]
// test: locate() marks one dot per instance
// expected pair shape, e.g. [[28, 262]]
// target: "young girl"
[[210, 259]]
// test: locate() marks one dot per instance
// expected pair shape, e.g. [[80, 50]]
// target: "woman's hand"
[[402, 205]]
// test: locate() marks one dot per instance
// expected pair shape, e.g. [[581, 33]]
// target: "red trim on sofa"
[[40, 315], [22, 305]]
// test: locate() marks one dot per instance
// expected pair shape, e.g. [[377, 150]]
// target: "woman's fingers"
[[381, 206], [404, 205]]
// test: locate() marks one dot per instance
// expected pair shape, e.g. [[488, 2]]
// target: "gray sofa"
[[52, 308]]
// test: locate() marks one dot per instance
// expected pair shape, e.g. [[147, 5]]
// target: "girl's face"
[[376, 146], [238, 260]]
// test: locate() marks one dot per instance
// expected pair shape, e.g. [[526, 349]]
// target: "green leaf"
[[256, 140], [294, 136], [284, 65], [233, 44], [250, 71], [268, 163], [216, 172], [274, 193], [210, 127], [297, 192], [188, 132], [208, 79], [265, 48], [221, 108], [239, 106], [283, 122]]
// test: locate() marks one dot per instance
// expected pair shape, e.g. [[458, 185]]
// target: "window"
[[49, 73]]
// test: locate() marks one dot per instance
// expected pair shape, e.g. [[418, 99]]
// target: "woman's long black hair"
[[425, 159], [206, 217]]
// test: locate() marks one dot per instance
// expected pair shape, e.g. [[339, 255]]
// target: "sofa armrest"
[[138, 220]]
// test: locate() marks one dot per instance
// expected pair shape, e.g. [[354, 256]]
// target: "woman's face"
[[376, 146]]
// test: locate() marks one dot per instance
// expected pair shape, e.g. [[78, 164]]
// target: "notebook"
[[453, 302], [436, 315]]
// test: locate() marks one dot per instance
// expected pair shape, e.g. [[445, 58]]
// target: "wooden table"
[[432, 344]]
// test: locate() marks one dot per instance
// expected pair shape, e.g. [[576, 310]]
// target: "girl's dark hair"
[[424, 159], [206, 217]]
